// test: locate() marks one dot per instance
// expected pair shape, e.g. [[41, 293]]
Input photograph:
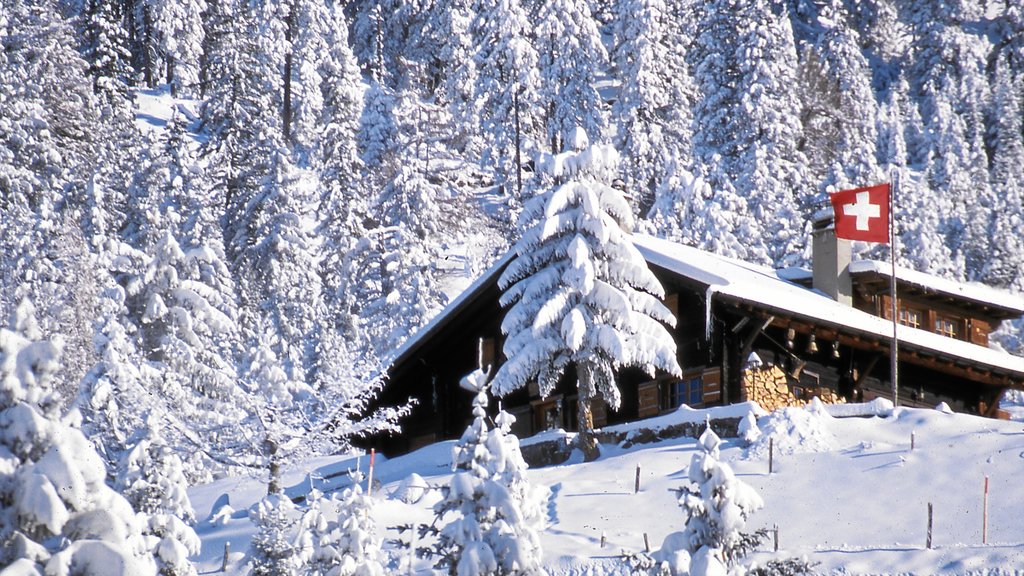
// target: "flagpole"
[[894, 361]]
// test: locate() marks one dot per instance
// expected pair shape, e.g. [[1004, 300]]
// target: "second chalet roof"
[[992, 301], [776, 291], [728, 278]]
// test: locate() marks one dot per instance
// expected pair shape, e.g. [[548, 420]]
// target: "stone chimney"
[[831, 260]]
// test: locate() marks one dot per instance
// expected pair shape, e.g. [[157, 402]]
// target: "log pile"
[[770, 388]]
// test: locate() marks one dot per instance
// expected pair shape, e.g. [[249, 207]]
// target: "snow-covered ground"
[[848, 493]]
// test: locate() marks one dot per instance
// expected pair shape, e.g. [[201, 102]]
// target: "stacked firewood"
[[770, 387]]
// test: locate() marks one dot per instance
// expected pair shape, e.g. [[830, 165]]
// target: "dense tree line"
[[326, 161]]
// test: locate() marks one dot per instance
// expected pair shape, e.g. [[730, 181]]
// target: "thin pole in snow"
[[227, 553], [636, 486], [771, 454], [369, 477], [929, 542], [984, 515], [894, 361]]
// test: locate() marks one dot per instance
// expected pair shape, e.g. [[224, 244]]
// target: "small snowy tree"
[[493, 510], [56, 512], [717, 505], [347, 546], [272, 551], [580, 292], [150, 476]]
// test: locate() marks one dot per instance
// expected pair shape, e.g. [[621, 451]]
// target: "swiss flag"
[[862, 213]]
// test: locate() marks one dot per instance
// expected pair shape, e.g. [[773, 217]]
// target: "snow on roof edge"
[[974, 291], [760, 285], [439, 319]]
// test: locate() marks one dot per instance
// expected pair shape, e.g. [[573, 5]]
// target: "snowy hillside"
[[848, 493]]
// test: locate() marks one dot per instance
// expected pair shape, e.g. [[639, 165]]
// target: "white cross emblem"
[[864, 210]]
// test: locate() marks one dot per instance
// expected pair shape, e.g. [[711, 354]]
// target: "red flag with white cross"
[[862, 213]]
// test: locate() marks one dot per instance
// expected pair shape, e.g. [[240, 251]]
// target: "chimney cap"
[[823, 218]]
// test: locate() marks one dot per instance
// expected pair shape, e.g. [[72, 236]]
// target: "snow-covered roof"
[[772, 289], [764, 286], [972, 291]]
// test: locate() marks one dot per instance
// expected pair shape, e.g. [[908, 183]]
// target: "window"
[[910, 317], [675, 393], [947, 326]]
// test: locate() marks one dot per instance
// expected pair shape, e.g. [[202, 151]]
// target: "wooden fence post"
[[771, 454], [929, 542], [227, 552], [636, 485], [984, 515]]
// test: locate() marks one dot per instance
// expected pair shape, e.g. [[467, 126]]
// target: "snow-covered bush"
[[56, 512], [347, 546], [748, 429], [491, 512]]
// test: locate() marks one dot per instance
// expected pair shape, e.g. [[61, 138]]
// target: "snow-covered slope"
[[848, 493]]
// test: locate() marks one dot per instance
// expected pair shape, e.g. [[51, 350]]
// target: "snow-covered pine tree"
[[178, 33], [506, 90], [579, 293], [1005, 265], [59, 511], [151, 477], [279, 270], [839, 111], [717, 506], [272, 550], [105, 46], [570, 55], [457, 73], [653, 108], [344, 207], [492, 513], [721, 221]]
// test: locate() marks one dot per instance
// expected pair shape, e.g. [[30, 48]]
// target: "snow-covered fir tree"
[[506, 90], [653, 109], [272, 550], [59, 514], [570, 55], [580, 295], [178, 33], [338, 535], [717, 505], [491, 515], [150, 475]]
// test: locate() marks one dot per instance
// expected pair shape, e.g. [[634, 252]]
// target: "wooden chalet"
[[744, 332]]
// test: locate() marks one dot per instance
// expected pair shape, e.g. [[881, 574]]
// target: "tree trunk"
[[274, 467], [519, 153], [585, 439], [286, 112]]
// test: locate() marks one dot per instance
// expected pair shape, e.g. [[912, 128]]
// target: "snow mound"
[[411, 489], [793, 430], [881, 407]]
